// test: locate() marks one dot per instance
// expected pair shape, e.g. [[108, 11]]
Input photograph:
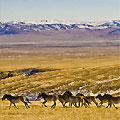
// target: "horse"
[[74, 100], [71, 99], [109, 99], [86, 100], [113, 101], [64, 98], [48, 98], [16, 99], [68, 97], [104, 98]]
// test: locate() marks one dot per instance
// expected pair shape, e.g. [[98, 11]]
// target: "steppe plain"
[[90, 65]]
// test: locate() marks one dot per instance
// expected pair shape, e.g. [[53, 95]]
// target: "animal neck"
[[8, 97], [44, 95]]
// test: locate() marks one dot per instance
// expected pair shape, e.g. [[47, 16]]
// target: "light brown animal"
[[16, 99], [48, 98]]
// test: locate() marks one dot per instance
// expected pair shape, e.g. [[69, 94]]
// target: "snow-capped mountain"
[[13, 27]]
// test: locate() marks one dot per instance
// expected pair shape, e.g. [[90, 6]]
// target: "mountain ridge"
[[112, 27]]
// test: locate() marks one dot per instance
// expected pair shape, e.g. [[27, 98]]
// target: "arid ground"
[[68, 62]]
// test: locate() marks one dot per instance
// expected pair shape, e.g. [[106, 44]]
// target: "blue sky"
[[76, 10]]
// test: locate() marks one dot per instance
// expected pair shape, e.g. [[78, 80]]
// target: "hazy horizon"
[[66, 10]]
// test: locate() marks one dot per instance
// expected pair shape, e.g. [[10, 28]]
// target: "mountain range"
[[109, 28]]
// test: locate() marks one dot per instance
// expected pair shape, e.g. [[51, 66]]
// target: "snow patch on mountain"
[[15, 27]]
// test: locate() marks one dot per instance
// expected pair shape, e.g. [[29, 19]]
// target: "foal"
[[16, 99], [48, 98]]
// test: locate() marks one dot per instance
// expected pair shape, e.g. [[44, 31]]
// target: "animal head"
[[4, 97]]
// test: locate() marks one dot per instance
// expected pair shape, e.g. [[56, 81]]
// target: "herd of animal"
[[78, 101]]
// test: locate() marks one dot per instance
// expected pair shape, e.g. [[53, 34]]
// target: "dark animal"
[[74, 100], [113, 101], [104, 98], [68, 97], [109, 99], [64, 98], [16, 99], [48, 98], [86, 100]]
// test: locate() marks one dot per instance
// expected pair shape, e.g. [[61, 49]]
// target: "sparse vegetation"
[[62, 72], [38, 112], [60, 75]]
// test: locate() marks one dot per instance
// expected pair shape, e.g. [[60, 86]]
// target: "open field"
[[88, 67], [37, 112], [63, 74], [90, 72]]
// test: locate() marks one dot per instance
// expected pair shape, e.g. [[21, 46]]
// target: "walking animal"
[[48, 98], [16, 99]]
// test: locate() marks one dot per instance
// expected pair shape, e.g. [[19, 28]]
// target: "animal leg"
[[44, 103], [15, 105], [26, 105], [115, 106], [85, 103], [96, 104], [82, 103], [79, 103], [70, 104], [64, 104], [109, 104], [10, 105], [53, 104], [76, 105], [101, 104]]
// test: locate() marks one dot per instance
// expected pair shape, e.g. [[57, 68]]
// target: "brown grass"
[[37, 112], [70, 73], [74, 67]]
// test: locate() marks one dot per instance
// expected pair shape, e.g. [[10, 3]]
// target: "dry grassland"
[[68, 72], [37, 112]]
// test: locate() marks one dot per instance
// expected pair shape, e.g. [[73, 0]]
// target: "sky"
[[66, 10]]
